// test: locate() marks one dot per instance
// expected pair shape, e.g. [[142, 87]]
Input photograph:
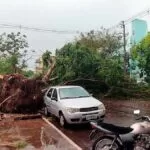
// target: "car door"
[[54, 102], [48, 100]]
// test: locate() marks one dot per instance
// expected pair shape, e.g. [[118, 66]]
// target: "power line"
[[141, 14], [39, 29], [129, 20], [3, 25]]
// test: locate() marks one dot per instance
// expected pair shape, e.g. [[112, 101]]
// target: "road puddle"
[[33, 134]]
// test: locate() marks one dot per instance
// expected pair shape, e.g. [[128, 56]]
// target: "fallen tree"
[[20, 94], [96, 87]]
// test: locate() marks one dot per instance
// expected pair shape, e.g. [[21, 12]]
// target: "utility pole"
[[124, 46]]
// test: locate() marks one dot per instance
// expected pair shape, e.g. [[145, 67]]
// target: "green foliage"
[[76, 61], [106, 42], [117, 92], [96, 55], [28, 73], [5, 65], [46, 58], [93, 55], [111, 71], [141, 53], [21, 144], [13, 46], [12, 43]]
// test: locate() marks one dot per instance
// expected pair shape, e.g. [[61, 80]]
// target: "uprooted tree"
[[17, 92], [93, 59], [20, 94]]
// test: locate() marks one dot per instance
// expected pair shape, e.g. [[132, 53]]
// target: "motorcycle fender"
[[93, 134]]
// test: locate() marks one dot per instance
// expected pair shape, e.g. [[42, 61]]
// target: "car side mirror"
[[54, 98]]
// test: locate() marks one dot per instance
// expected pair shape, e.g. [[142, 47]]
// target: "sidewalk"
[[33, 134]]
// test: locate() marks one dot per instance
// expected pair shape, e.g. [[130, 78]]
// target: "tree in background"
[[95, 55], [13, 51], [108, 45], [5, 65], [111, 71], [141, 53], [106, 42], [76, 61]]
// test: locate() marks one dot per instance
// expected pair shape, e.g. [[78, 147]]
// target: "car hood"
[[81, 102]]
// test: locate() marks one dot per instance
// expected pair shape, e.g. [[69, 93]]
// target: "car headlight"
[[72, 110], [101, 107]]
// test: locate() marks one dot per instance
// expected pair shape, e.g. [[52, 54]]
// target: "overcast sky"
[[82, 15]]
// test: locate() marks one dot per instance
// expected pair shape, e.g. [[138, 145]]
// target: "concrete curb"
[[62, 134]]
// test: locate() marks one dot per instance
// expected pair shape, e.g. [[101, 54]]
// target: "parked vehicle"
[[135, 137], [72, 105]]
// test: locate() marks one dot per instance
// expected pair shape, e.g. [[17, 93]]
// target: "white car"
[[72, 105]]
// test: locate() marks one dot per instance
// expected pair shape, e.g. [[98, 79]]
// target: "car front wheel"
[[46, 113], [62, 120]]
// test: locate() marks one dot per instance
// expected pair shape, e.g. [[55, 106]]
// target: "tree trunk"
[[50, 71]]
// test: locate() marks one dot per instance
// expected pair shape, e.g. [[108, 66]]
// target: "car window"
[[49, 94], [73, 92], [54, 95]]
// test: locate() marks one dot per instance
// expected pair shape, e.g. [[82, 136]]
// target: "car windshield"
[[73, 92]]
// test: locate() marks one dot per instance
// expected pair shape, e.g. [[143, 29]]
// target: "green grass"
[[21, 144]]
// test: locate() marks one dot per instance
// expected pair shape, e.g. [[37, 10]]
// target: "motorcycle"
[[135, 137]]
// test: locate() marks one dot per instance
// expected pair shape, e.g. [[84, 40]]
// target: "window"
[[73, 92], [49, 94], [54, 94]]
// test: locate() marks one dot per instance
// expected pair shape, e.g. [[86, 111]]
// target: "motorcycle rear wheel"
[[105, 143]]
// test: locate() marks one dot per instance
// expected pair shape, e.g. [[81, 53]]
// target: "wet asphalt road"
[[80, 133], [38, 135], [118, 113]]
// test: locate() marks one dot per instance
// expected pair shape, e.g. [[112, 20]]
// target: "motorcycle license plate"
[[90, 117]]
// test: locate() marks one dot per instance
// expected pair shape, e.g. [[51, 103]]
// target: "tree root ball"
[[19, 94]]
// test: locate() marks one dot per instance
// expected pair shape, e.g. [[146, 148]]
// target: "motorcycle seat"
[[114, 129]]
